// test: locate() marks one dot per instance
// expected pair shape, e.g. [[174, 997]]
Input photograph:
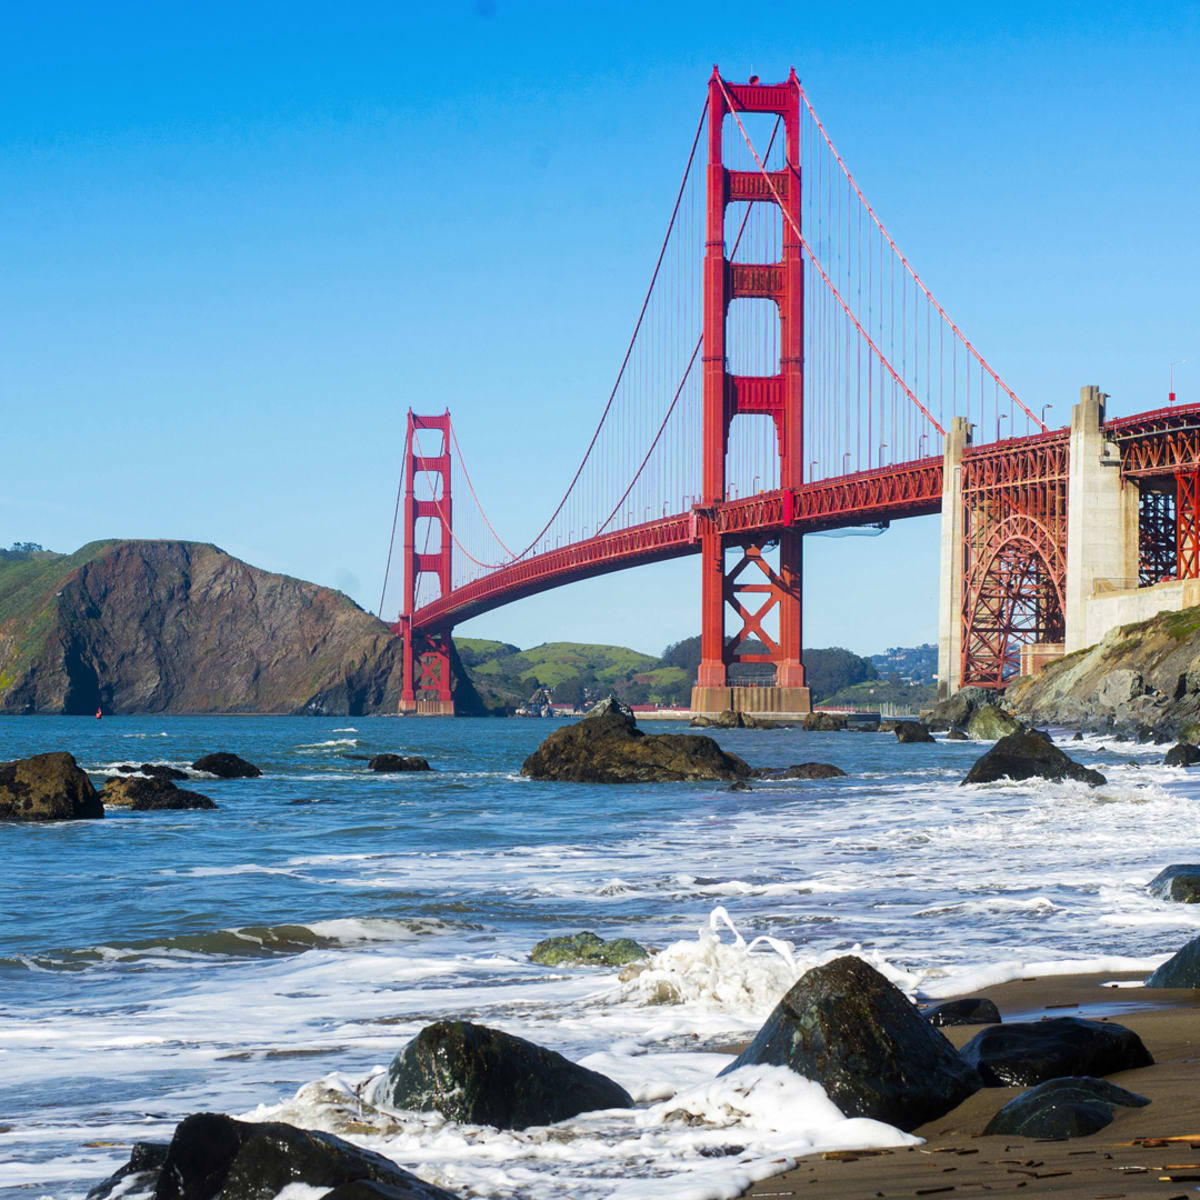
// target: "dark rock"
[[587, 948], [214, 1155], [912, 731], [956, 735], [739, 785], [472, 1073], [1078, 736], [1180, 883], [47, 787], [809, 770], [162, 771], [723, 720], [823, 722], [139, 1174], [846, 1027], [1181, 970], [608, 747], [1027, 1052], [1029, 754], [974, 1011], [1063, 1108], [1182, 754], [226, 766], [956, 711], [149, 795], [392, 763], [125, 769], [989, 723]]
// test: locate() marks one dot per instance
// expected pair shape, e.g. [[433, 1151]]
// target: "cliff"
[[1141, 679], [174, 627]]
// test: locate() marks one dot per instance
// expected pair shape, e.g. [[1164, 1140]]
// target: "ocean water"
[[269, 959]]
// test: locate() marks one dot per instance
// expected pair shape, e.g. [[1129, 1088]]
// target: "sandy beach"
[[1152, 1151]]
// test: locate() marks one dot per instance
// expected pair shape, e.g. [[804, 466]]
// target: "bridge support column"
[[950, 596], [1102, 517]]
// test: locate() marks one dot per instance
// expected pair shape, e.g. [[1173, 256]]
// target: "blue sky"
[[238, 241]]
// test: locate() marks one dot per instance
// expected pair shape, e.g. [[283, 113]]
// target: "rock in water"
[[1029, 754], [226, 766], [47, 787], [823, 722], [912, 731], [955, 735], [393, 763], [1028, 1052], [139, 1174], [846, 1027], [472, 1073], [1063, 1108], [608, 747], [811, 770], [149, 795], [989, 723], [1179, 882], [587, 948], [212, 1155], [974, 1011], [723, 720], [1181, 970], [1182, 754]]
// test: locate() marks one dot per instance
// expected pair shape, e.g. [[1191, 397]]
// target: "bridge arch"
[[1013, 595]]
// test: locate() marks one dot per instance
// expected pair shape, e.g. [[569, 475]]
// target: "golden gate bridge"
[[789, 372]]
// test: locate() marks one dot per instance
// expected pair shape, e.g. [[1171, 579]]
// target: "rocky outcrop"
[[1181, 970], [975, 1010], [154, 770], [226, 766], [212, 1155], [722, 720], [141, 794], [912, 731], [482, 1076], [391, 764], [1141, 677], [1179, 882], [587, 949], [1028, 1052], [47, 787], [181, 627], [1029, 754], [608, 747], [989, 723], [1063, 1108], [809, 770], [823, 722], [955, 711], [847, 1028]]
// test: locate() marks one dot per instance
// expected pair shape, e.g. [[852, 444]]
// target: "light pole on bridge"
[[1044, 407]]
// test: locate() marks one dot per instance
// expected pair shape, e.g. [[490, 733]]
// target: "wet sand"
[[1152, 1151]]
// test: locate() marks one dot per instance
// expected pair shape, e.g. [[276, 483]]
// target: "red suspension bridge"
[[789, 372]]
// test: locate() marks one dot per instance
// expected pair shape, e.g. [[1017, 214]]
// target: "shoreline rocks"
[[1029, 754], [139, 793], [392, 764], [1179, 882], [587, 949], [226, 766], [809, 770], [912, 731], [1058, 1109], [47, 787], [1181, 970]]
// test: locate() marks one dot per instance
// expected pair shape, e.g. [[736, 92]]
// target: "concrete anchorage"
[[950, 619]]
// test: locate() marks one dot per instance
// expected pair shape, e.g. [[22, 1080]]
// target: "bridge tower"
[[752, 589], [426, 661]]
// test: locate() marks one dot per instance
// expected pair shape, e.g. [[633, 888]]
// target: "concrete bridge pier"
[[1102, 518], [950, 595]]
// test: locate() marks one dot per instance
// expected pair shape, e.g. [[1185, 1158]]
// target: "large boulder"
[[608, 747], [912, 731], [212, 1155], [47, 787], [823, 722], [975, 1010], [141, 794], [226, 766], [1182, 754], [482, 1076], [955, 712], [1063, 1108], [810, 770], [1028, 1052], [846, 1027], [1181, 970], [157, 770], [989, 723], [1179, 882], [139, 1174], [587, 949], [1029, 754], [393, 763]]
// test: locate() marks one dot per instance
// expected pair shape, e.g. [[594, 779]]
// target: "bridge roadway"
[[1155, 443]]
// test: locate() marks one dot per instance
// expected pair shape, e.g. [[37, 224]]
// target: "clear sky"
[[238, 241]]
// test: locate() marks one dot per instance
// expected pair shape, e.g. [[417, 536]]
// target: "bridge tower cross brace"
[[426, 653], [725, 395]]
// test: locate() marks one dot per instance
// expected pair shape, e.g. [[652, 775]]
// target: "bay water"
[[269, 959]]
